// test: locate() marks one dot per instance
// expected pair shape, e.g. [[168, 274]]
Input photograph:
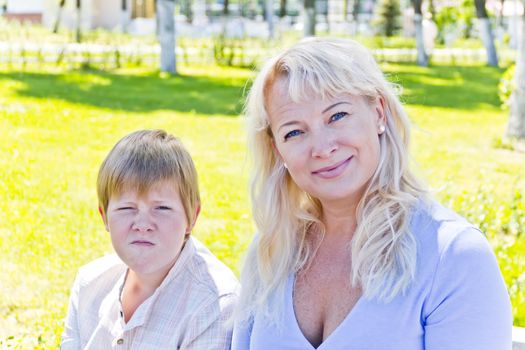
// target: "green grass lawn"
[[56, 127]]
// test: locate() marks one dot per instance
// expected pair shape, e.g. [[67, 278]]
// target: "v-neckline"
[[323, 345]]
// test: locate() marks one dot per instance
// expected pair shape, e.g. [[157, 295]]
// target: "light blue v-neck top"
[[458, 300]]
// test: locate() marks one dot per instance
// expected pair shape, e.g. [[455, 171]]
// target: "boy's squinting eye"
[[124, 208], [163, 207], [292, 133], [337, 116]]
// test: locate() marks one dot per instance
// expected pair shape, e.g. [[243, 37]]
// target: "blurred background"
[[77, 75]]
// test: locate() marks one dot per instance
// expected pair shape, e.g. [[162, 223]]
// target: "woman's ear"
[[381, 115], [104, 218], [380, 110]]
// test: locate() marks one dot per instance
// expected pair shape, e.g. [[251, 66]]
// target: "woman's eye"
[[125, 208], [337, 116], [292, 133]]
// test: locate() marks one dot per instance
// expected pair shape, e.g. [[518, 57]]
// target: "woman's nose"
[[323, 144]]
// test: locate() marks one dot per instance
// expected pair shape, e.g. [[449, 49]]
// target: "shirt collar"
[[143, 311]]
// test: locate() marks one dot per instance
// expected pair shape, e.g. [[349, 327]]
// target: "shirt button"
[[120, 341]]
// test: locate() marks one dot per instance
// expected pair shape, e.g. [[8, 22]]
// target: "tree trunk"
[[355, 15], [124, 15], [225, 8], [166, 33], [516, 124], [79, 21], [269, 18], [59, 13], [309, 18], [486, 33], [282, 8], [327, 16], [422, 58]]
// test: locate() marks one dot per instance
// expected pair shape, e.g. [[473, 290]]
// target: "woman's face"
[[330, 146]]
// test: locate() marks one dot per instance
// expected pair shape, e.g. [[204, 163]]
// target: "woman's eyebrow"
[[291, 122], [336, 104]]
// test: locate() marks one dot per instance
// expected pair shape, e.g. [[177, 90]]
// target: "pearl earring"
[[381, 129], [285, 165]]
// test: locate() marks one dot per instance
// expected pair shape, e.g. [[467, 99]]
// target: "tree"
[[486, 33], [269, 18], [79, 21], [282, 8], [355, 10], [422, 57], [124, 14], [166, 33], [516, 123], [186, 8], [387, 17], [309, 18], [59, 13], [355, 14]]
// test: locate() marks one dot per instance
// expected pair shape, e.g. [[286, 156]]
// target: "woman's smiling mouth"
[[334, 170]]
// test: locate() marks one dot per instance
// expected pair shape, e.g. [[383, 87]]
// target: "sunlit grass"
[[56, 127]]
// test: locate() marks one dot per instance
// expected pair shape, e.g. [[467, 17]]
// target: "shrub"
[[506, 86]]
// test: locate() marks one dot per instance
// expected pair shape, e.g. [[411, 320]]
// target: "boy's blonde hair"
[[144, 158]]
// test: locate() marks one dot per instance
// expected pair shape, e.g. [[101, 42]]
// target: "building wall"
[[68, 16], [106, 14], [25, 6]]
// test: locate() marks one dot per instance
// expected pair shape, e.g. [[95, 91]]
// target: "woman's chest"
[[368, 325], [321, 301]]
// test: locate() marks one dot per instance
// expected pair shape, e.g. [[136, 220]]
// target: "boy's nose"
[[143, 223]]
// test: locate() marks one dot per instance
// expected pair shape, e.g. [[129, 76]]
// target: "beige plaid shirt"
[[191, 309]]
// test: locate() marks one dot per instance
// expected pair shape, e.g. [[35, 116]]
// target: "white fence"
[[116, 56]]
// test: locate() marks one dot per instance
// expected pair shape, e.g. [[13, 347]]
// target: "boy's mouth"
[[142, 242]]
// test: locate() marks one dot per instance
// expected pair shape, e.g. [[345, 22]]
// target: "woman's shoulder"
[[442, 231]]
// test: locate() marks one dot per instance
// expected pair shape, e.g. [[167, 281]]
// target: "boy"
[[165, 289]]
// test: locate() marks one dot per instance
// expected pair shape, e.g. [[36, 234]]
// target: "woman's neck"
[[339, 219]]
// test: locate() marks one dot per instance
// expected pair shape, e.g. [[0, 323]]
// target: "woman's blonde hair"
[[383, 248], [144, 158]]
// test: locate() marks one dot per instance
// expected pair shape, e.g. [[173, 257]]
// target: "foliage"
[[506, 86], [234, 52], [466, 18], [387, 19], [57, 126], [446, 21], [454, 20]]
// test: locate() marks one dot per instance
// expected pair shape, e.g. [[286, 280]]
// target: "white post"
[[166, 32]]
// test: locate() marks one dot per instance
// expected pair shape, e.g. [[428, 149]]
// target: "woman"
[[351, 253]]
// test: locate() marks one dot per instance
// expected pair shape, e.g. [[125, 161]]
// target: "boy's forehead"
[[163, 189]]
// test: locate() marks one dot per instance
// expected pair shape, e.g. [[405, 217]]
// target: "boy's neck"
[[143, 283], [137, 288]]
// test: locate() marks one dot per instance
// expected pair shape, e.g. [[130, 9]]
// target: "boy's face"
[[148, 231]]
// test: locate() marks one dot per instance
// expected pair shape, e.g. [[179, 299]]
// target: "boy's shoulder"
[[209, 272], [106, 270]]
